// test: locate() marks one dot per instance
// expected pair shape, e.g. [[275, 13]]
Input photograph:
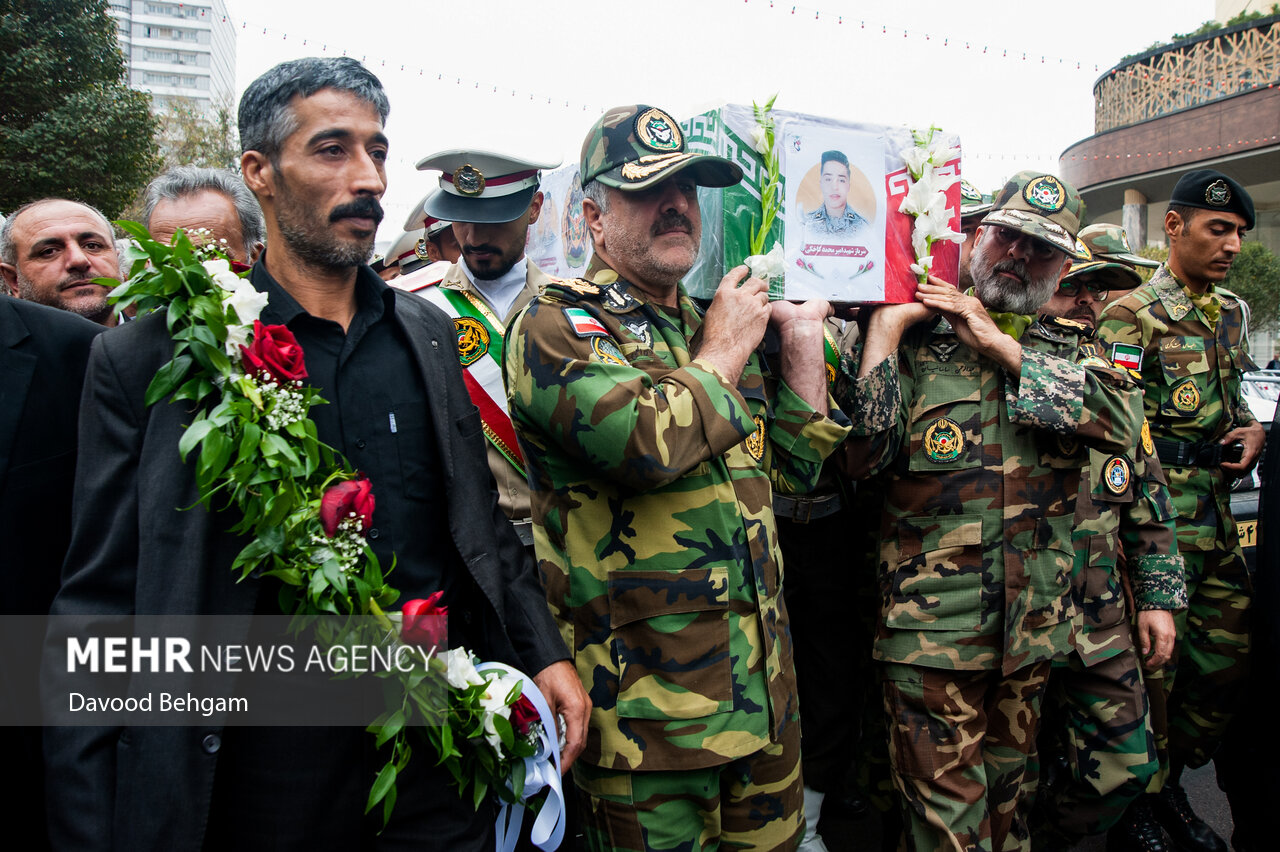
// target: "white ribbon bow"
[[541, 772]]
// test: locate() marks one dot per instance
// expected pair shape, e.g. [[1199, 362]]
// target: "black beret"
[[1210, 190]]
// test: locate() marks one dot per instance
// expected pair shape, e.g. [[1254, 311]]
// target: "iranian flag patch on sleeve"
[[1127, 356]]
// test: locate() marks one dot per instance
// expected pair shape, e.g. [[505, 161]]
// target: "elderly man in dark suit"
[[43, 352], [387, 363]]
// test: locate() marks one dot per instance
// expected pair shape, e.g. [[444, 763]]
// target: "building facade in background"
[[178, 50]]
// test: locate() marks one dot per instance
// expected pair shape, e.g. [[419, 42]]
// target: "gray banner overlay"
[[206, 670]]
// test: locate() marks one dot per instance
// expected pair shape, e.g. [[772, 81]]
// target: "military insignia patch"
[[755, 441], [468, 180], [616, 299], [576, 285], [1045, 193], [1073, 325], [1116, 475], [944, 349], [606, 351], [1127, 356], [1186, 397], [1067, 446], [473, 340], [584, 324], [943, 441], [658, 131], [1218, 193], [1095, 361], [641, 331], [1148, 445], [1082, 250], [831, 374]]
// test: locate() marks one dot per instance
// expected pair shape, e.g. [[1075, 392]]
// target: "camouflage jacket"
[[651, 475], [1123, 508], [981, 474], [1191, 384]]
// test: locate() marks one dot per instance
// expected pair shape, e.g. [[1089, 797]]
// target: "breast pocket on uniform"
[[671, 642], [946, 421], [1185, 366]]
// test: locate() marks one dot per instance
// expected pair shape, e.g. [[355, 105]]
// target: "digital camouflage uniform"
[[1191, 363], [981, 472], [652, 477], [1097, 717]]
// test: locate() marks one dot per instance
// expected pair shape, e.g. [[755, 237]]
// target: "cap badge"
[[1218, 193], [970, 193], [657, 131], [420, 249], [943, 441], [1082, 250], [1045, 193], [468, 180], [1117, 475]]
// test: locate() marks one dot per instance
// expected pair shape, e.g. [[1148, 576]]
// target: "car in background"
[[1261, 390]]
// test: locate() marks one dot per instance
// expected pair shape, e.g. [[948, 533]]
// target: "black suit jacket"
[[132, 552], [43, 352]]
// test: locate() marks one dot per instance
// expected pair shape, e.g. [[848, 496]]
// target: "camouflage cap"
[[1109, 242], [1113, 274], [636, 146], [1211, 190], [1042, 206], [972, 201]]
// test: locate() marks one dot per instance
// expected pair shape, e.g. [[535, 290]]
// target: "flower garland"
[[927, 196], [306, 513]]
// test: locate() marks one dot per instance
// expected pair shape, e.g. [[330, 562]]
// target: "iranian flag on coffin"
[[839, 226]]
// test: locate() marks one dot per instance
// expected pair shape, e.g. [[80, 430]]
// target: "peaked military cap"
[[1042, 206], [407, 246], [1210, 190], [481, 186], [972, 202], [633, 147]]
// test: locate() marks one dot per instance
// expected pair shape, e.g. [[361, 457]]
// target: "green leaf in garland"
[[382, 785], [167, 378]]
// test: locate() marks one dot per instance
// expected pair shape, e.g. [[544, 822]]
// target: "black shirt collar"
[[374, 298]]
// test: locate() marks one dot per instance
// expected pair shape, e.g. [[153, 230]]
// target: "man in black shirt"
[[387, 364]]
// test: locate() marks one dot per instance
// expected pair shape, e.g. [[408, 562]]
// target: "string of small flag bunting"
[[1137, 71]]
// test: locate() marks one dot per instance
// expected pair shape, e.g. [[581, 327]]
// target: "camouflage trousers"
[[1204, 683], [754, 802], [1096, 727], [958, 744]]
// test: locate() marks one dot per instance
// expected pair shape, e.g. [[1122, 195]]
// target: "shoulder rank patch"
[[584, 324], [1116, 475], [577, 286], [1128, 356], [1148, 445], [616, 299], [606, 351], [1186, 397], [943, 441]]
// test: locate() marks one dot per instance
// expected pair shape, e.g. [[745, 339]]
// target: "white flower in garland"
[[926, 198], [768, 267], [460, 671], [247, 302]]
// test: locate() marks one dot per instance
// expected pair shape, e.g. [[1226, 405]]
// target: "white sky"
[[688, 55]]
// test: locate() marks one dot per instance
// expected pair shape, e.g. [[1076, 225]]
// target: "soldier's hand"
[[559, 684], [1253, 437], [735, 323], [1156, 635], [972, 324]]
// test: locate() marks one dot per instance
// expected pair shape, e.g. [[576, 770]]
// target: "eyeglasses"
[[1035, 249], [1072, 288]]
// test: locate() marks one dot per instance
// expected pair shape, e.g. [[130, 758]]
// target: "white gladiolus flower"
[[246, 300], [217, 266], [760, 141], [768, 266], [460, 672]]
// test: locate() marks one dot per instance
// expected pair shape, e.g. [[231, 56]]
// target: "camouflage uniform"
[[982, 471], [1099, 707], [1191, 363], [651, 475]]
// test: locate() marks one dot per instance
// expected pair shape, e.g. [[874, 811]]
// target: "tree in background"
[[1254, 277], [69, 126], [189, 137]]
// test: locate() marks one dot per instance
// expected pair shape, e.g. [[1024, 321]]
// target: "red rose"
[[523, 715], [275, 351], [353, 497], [424, 622]]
